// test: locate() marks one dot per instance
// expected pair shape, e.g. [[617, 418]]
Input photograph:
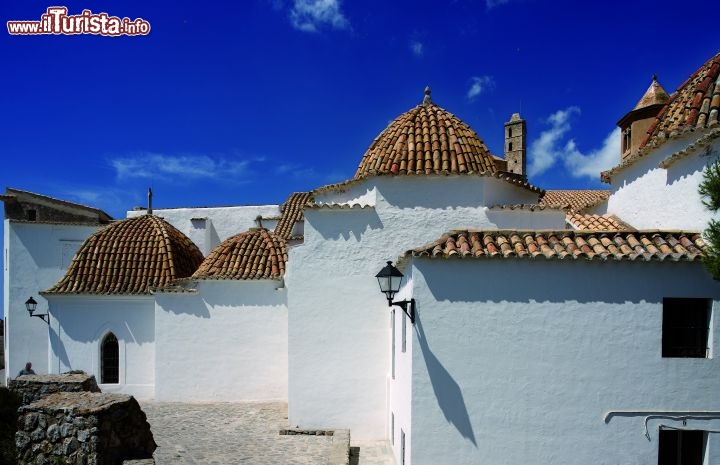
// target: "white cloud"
[[417, 48], [544, 151], [479, 84], [597, 160], [160, 166], [549, 149], [311, 15]]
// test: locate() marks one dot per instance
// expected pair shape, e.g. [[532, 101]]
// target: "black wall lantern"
[[31, 305], [389, 279]]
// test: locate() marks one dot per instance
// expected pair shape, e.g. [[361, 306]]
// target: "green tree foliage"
[[710, 191], [9, 404]]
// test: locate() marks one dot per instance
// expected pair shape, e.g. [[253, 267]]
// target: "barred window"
[[681, 447], [685, 327]]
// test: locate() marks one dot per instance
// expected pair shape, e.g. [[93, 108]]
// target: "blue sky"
[[242, 104], [231, 103]]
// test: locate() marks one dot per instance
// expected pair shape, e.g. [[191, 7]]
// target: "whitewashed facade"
[[504, 367], [521, 352], [225, 342], [331, 284], [35, 257], [78, 326], [670, 198]]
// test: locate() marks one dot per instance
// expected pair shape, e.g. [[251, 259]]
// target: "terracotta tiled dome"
[[254, 254], [426, 140], [694, 105], [130, 257]]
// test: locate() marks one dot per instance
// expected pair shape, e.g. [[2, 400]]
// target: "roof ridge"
[[55, 199], [292, 212]]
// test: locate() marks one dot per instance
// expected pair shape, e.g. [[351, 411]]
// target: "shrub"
[[710, 192]]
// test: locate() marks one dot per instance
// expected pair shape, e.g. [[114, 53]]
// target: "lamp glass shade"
[[389, 279], [30, 305]]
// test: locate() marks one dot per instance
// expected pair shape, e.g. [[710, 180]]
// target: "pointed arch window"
[[109, 360]]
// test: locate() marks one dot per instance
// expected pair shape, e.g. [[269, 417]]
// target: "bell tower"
[[515, 145]]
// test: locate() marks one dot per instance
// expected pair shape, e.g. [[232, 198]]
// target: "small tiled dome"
[[130, 257], [426, 140], [694, 105], [253, 254]]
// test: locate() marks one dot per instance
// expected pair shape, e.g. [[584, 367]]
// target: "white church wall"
[[599, 209], [207, 227], [507, 218], [227, 342], [80, 322], [35, 256], [400, 385], [360, 193], [650, 197], [510, 368], [501, 192], [338, 325]]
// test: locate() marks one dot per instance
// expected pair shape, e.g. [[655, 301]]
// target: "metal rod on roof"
[[149, 209]]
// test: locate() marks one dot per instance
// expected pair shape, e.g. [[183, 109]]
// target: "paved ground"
[[2, 377], [242, 433], [370, 453]]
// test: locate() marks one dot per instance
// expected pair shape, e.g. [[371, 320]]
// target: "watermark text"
[[56, 21]]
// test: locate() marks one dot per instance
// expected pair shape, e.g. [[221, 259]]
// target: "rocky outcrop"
[[83, 428], [32, 388]]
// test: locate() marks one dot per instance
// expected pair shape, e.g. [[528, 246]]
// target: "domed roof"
[[426, 140], [695, 104], [130, 257], [253, 254]]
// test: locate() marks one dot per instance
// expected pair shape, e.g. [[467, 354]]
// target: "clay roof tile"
[[292, 212], [424, 140], [571, 244], [574, 200], [683, 112], [130, 257], [253, 254]]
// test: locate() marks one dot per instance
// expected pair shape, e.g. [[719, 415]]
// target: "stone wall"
[[83, 428], [32, 388]]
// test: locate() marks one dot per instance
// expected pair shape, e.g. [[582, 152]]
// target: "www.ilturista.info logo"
[[56, 21]]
